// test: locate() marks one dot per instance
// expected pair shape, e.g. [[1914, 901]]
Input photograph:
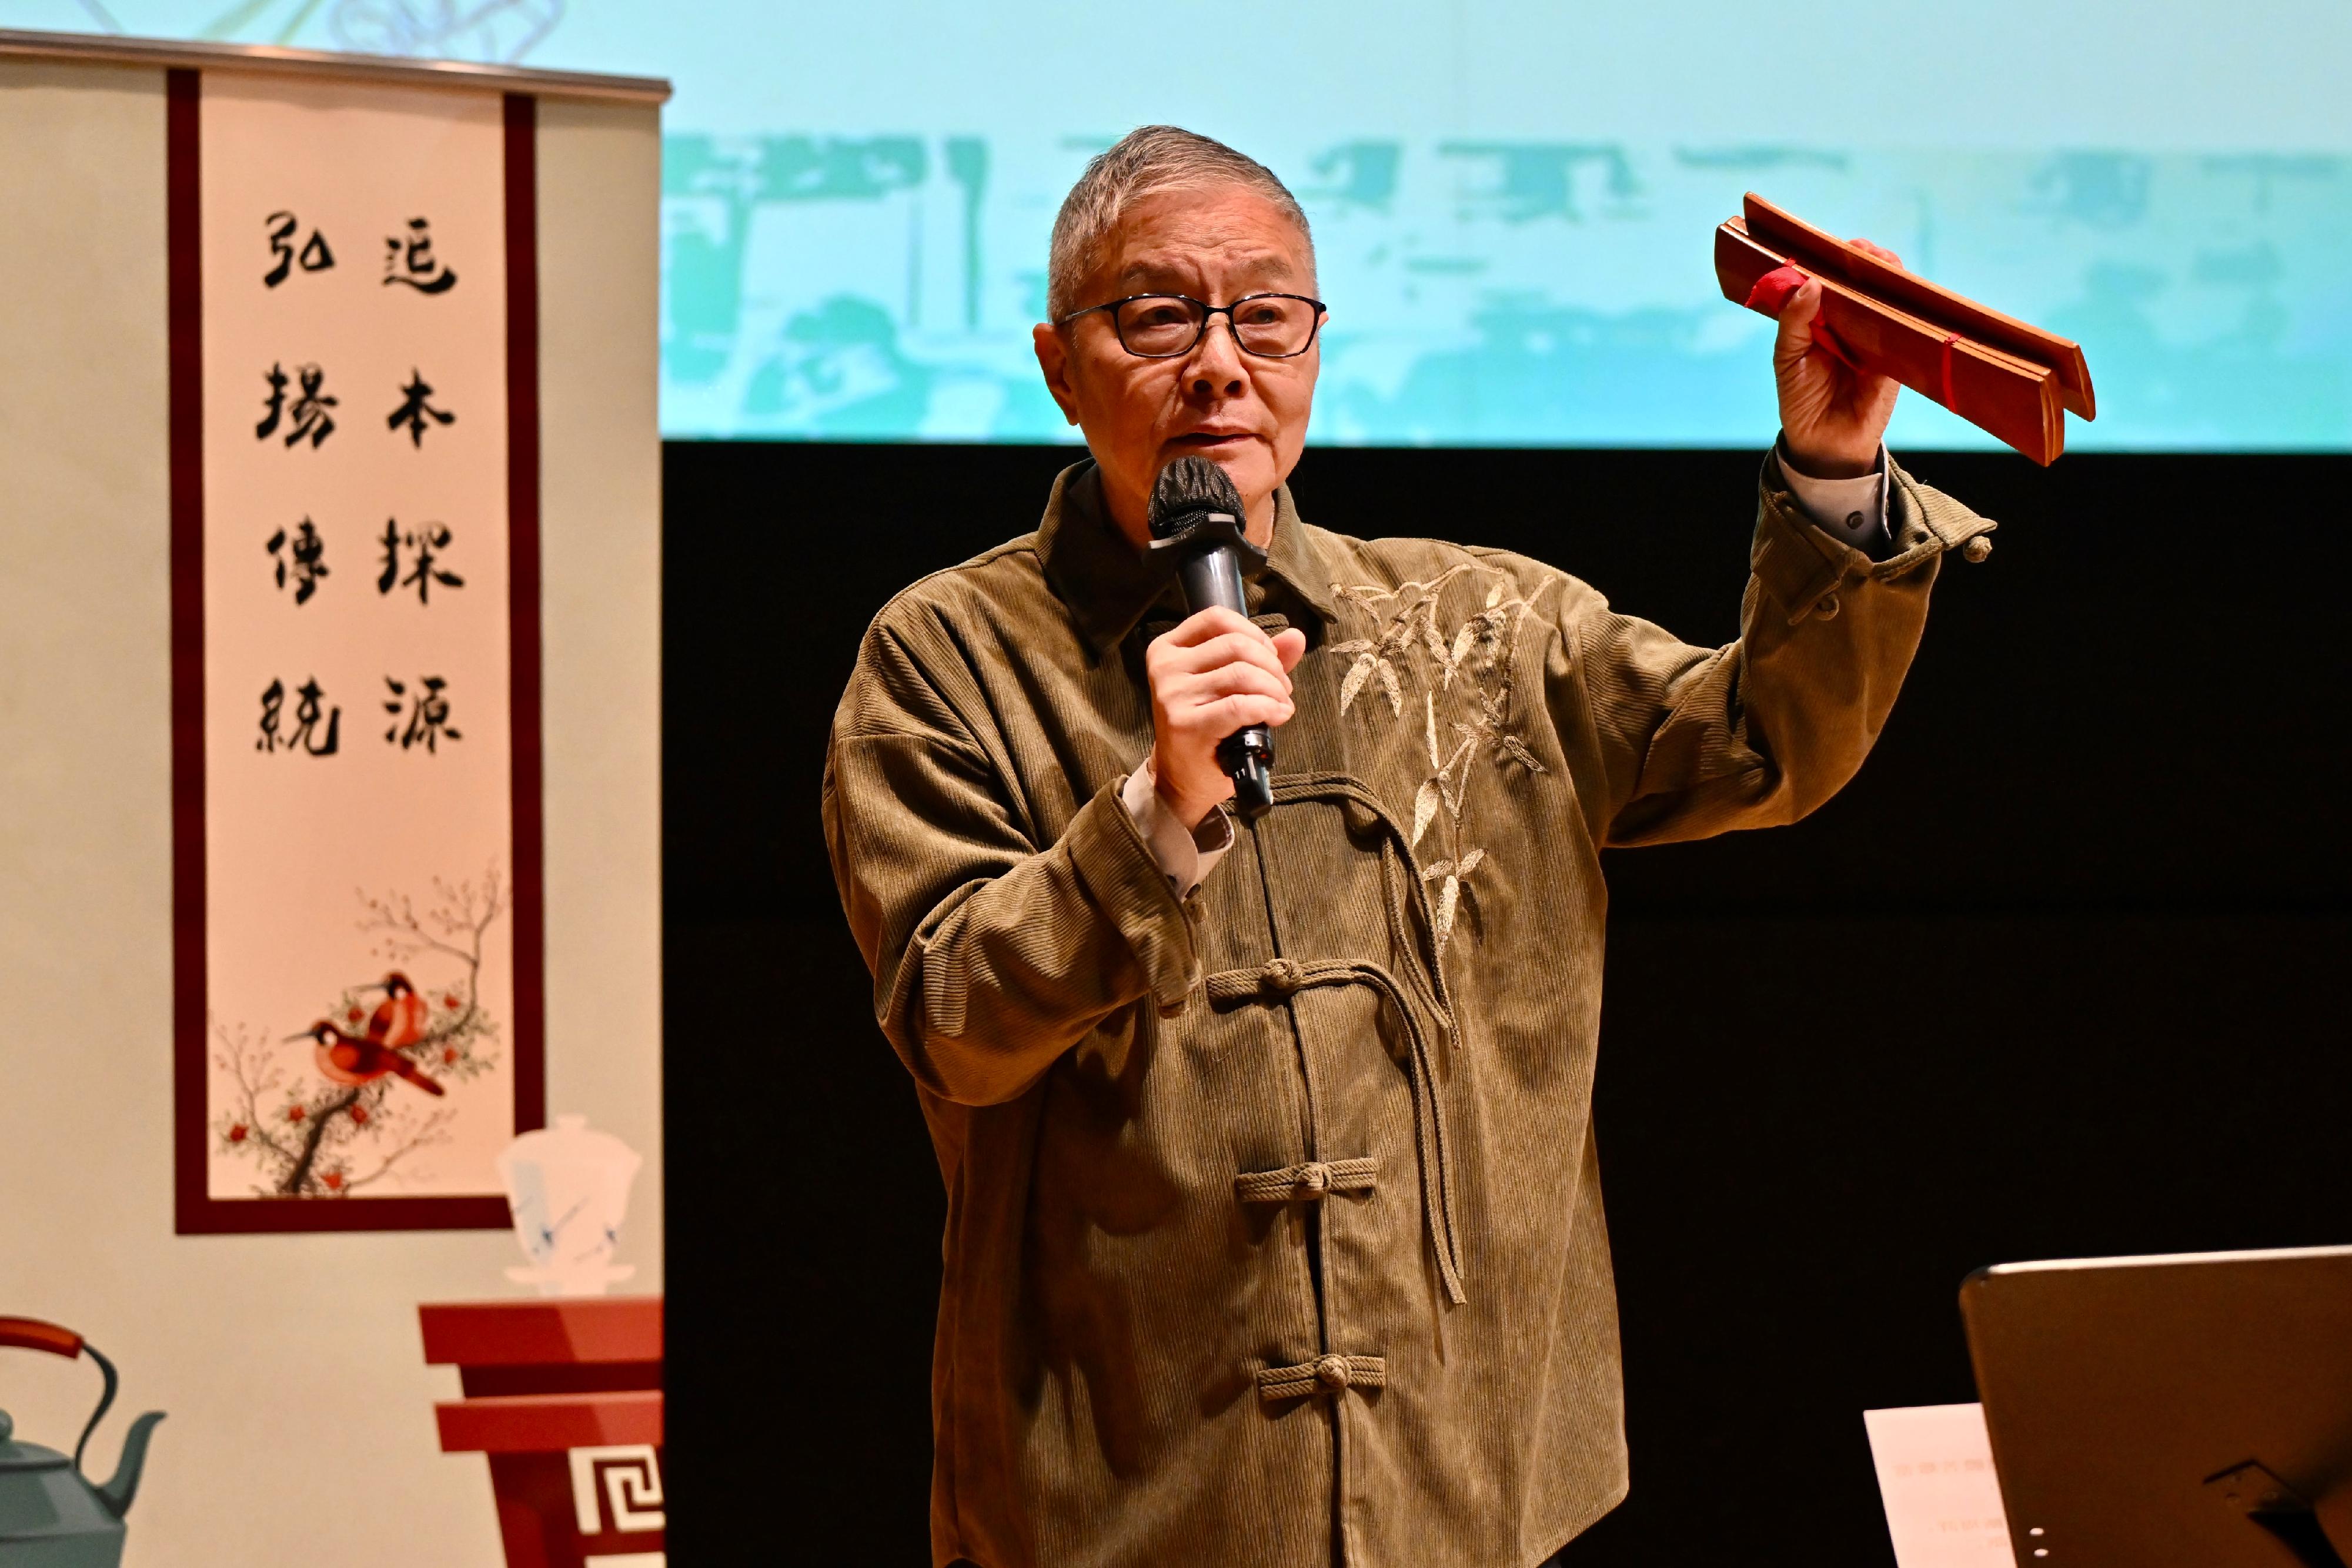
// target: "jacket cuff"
[[1854, 509], [1803, 567], [1118, 872], [1185, 855]]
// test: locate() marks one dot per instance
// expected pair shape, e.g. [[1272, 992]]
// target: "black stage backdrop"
[[2053, 977]]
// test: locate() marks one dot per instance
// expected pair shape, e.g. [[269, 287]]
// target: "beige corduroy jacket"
[[1273, 1235]]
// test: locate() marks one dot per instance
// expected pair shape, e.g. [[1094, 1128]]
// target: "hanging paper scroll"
[[355, 652]]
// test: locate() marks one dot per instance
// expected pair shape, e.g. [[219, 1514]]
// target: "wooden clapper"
[[2010, 380]]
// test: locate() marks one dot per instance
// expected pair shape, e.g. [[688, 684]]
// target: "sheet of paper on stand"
[[1937, 1480], [2010, 379]]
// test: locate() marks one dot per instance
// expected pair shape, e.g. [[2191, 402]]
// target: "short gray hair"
[[1143, 162]]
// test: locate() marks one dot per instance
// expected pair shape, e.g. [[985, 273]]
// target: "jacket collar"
[[1107, 583]]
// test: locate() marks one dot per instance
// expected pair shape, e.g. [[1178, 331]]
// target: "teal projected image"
[[1513, 202]]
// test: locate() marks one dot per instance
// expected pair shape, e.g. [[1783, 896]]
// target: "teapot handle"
[[32, 1333]]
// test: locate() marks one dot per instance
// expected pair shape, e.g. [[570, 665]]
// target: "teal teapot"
[[49, 1516]]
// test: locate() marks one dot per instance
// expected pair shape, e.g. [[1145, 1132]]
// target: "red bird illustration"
[[346, 1059], [399, 1020]]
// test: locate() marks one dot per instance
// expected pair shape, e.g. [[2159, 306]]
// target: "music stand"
[[2191, 1411]]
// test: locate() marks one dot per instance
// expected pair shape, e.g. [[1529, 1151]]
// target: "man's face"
[[1245, 413]]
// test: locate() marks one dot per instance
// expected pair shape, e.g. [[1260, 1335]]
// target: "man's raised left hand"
[[1832, 417]]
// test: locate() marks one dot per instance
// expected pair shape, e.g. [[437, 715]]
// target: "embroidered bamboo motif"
[[1449, 892], [1481, 653]]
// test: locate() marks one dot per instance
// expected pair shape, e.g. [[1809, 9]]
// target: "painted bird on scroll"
[[399, 1020], [347, 1059]]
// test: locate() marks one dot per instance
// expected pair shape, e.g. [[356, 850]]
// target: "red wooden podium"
[[564, 1397]]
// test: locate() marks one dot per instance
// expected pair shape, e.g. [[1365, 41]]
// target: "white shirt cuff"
[[1853, 509], [1185, 857]]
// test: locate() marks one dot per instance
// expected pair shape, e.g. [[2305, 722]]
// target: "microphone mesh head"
[[1188, 487]]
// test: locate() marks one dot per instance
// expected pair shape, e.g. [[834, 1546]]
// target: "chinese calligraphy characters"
[[430, 537], [426, 709], [308, 560], [298, 409], [428, 714], [300, 557], [311, 413], [408, 259], [315, 256], [411, 262], [308, 416], [416, 411], [304, 738]]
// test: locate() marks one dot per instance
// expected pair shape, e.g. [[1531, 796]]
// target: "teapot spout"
[[116, 1494]]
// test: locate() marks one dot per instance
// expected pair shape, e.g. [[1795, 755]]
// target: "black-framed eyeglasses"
[[1167, 326]]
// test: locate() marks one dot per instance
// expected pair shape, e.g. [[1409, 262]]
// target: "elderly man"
[[1274, 1229]]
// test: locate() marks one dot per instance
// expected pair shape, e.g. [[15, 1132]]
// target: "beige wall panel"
[[600, 495], [301, 1427]]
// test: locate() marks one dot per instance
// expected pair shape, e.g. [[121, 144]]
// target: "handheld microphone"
[[1197, 512]]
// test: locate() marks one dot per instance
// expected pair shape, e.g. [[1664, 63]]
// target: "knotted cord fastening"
[[1396, 852], [1283, 977], [1324, 1375], [1308, 1182]]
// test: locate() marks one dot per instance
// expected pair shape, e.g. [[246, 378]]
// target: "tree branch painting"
[[360, 1094]]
